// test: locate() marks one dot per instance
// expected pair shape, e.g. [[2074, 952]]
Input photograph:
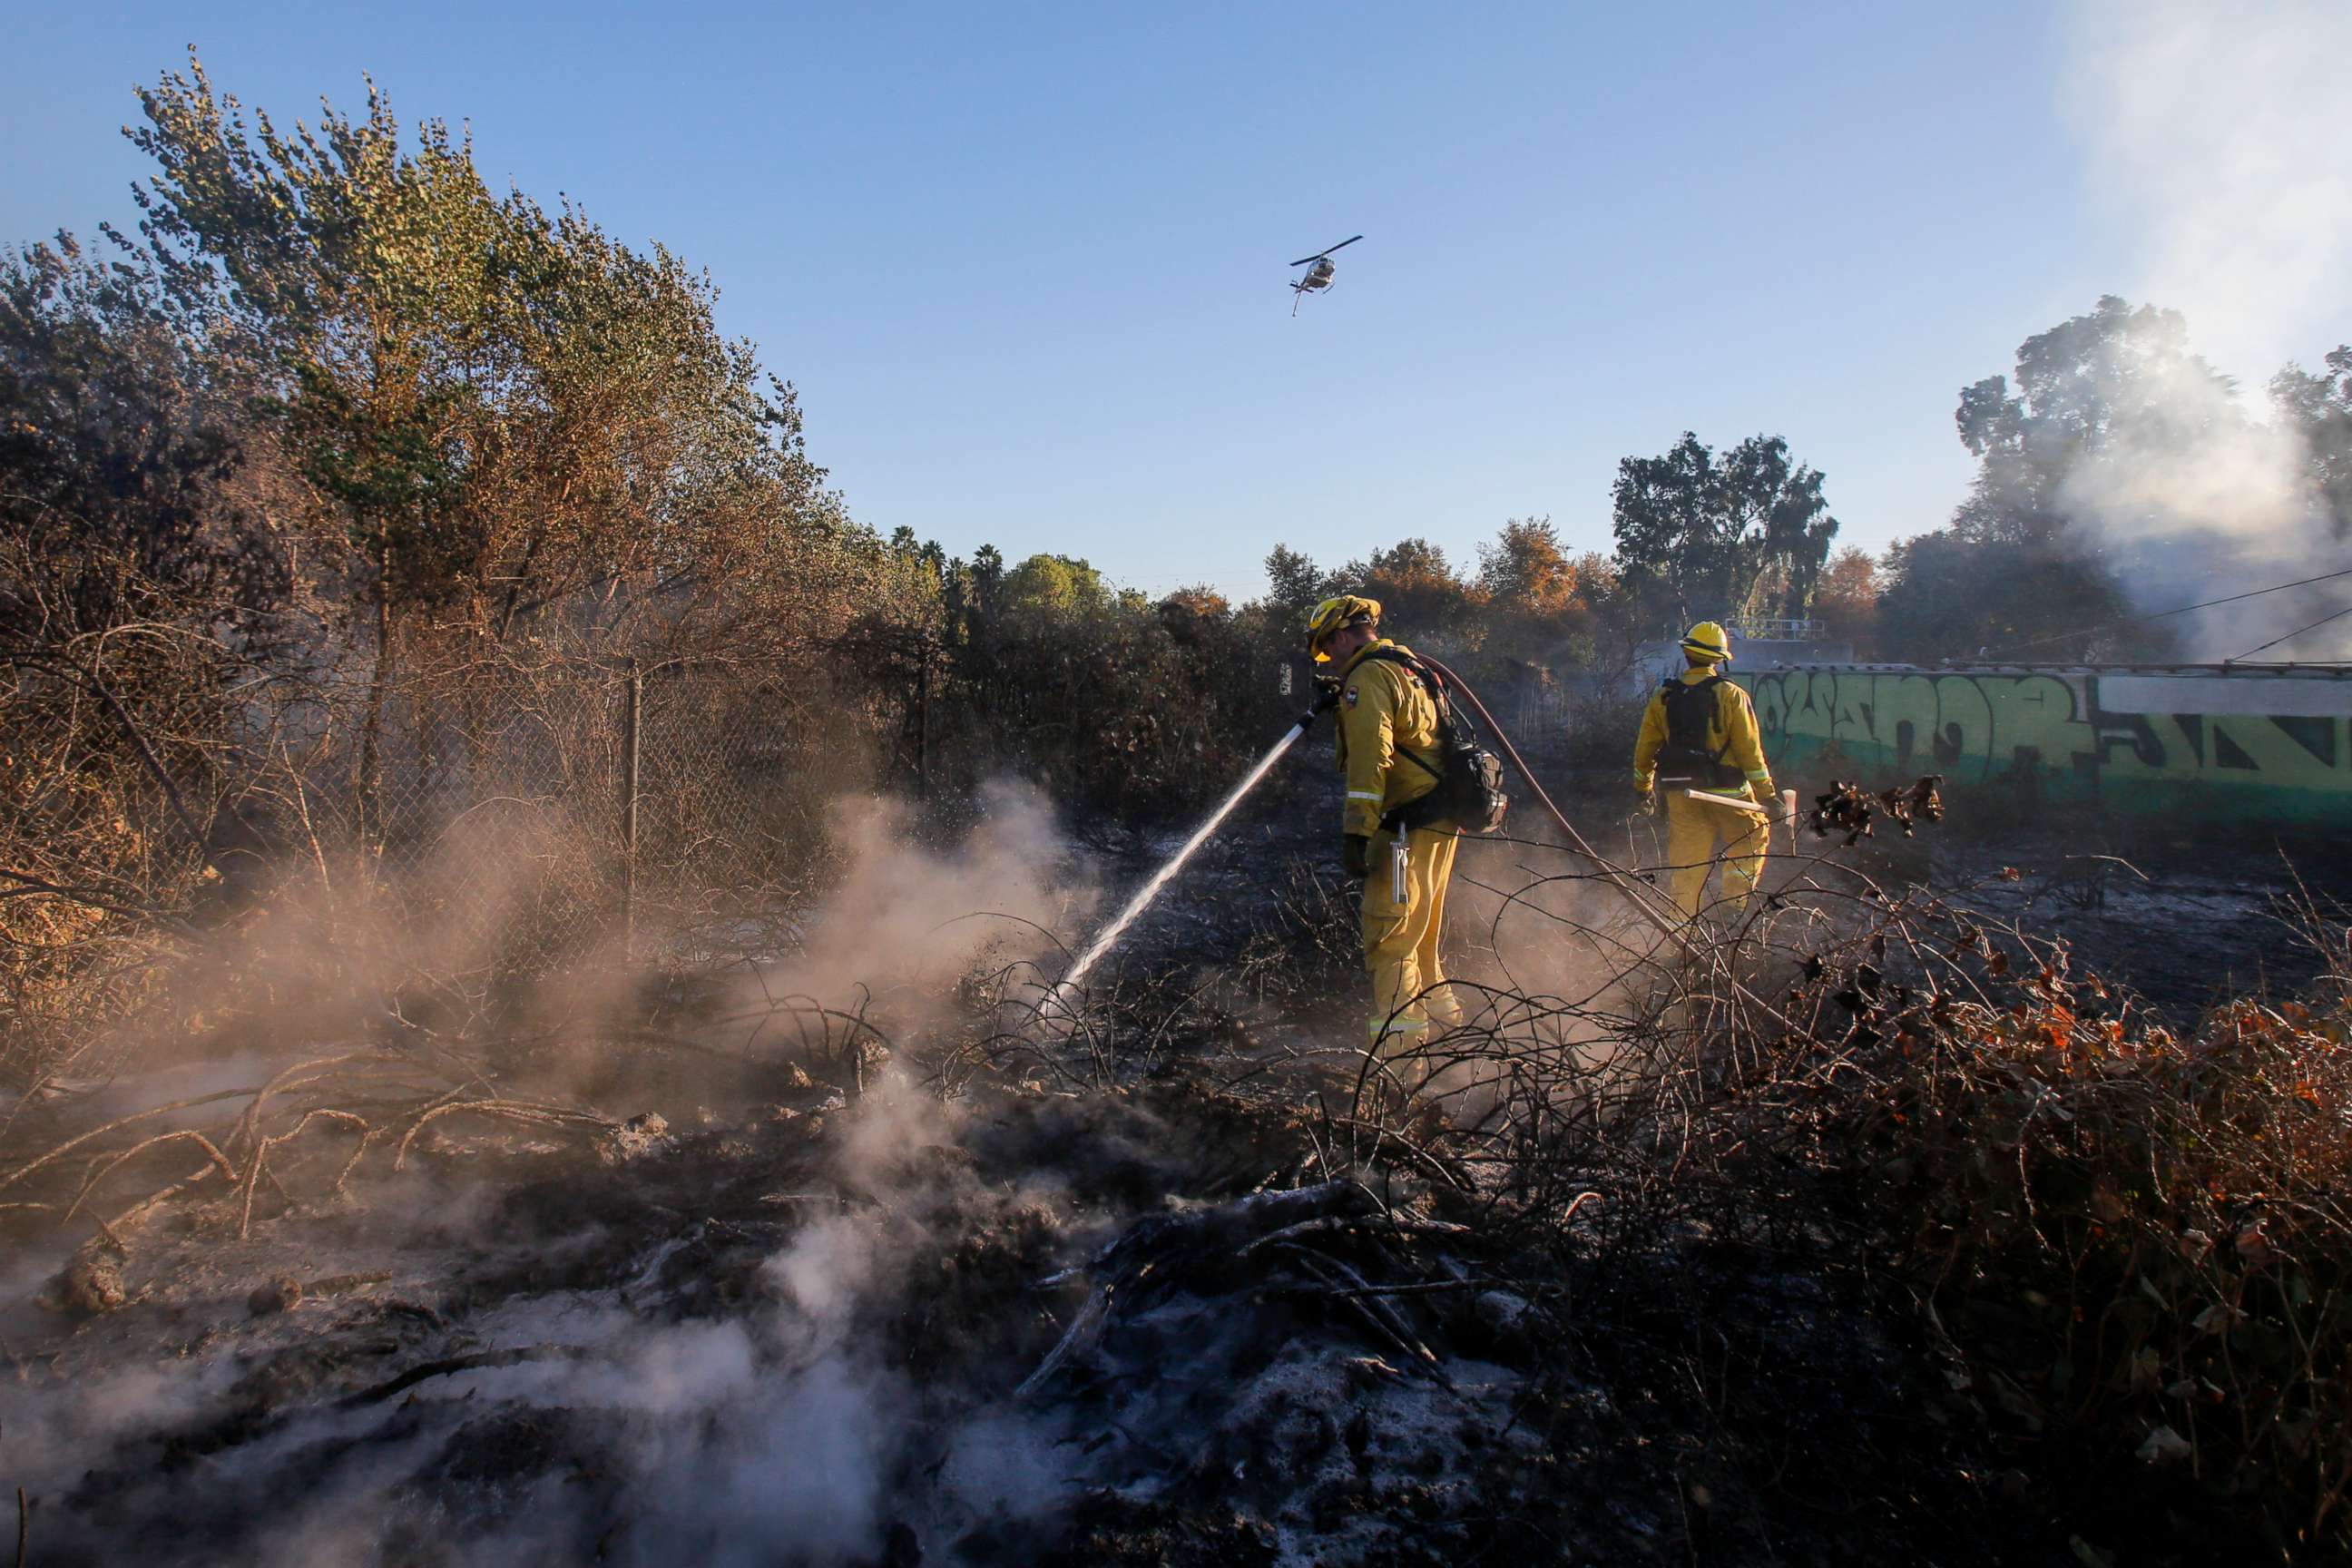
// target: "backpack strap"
[[1431, 769], [1677, 691], [1437, 694]]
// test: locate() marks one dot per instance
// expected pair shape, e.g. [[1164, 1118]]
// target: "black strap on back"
[[1436, 688], [1690, 713], [1468, 793]]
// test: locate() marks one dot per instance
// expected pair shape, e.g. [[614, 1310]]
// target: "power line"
[[2290, 636], [2160, 615]]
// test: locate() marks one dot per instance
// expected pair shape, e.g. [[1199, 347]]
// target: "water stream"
[[1111, 934]]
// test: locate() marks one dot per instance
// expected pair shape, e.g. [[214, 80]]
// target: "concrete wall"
[[2234, 745]]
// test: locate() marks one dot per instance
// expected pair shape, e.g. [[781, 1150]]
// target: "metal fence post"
[[631, 728], [923, 721]]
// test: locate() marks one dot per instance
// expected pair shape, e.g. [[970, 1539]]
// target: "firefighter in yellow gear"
[[1388, 753], [1699, 731]]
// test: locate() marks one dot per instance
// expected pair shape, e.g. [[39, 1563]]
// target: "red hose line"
[[1641, 894]]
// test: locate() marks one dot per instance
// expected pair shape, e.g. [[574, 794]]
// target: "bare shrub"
[[2127, 1236]]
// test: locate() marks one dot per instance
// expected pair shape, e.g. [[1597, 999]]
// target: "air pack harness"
[[1469, 792], [1690, 714]]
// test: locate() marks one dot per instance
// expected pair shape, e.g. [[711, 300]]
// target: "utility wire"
[[2160, 615], [2290, 636]]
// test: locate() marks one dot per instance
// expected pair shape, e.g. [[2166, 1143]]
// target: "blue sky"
[[1026, 263]]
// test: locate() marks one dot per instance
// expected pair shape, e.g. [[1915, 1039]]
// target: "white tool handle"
[[1737, 802]]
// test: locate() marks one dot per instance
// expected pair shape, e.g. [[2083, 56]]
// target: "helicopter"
[[1320, 271]]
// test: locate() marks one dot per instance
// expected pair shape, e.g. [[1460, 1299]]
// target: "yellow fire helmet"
[[1707, 641], [1334, 614]]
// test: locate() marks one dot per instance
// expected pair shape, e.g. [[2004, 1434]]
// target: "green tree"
[[114, 457], [1294, 582], [505, 424], [2319, 410], [499, 406], [2118, 382], [2115, 454], [1953, 598], [1059, 585], [987, 571], [1742, 534]]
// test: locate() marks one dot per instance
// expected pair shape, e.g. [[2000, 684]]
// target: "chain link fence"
[[481, 820]]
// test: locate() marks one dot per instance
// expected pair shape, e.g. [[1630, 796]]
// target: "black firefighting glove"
[[1360, 856]]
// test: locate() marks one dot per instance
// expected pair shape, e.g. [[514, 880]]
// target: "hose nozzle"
[[1327, 697]]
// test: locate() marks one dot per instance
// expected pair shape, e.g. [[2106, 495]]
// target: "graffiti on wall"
[[2251, 743]]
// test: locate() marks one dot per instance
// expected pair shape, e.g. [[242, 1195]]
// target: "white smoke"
[[770, 1436], [905, 915], [2213, 130], [2194, 497], [2206, 129]]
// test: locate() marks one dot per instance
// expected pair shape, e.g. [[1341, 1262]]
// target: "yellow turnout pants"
[[1694, 830], [1401, 940]]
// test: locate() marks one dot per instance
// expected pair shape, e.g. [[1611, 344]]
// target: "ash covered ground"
[[767, 1267]]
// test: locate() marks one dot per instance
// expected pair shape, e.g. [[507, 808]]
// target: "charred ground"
[[1178, 1283]]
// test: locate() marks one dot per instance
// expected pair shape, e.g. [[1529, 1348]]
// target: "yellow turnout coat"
[[1697, 830], [1386, 732]]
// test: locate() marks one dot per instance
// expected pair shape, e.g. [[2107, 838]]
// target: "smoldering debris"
[[1191, 1283], [418, 1302], [764, 1344]]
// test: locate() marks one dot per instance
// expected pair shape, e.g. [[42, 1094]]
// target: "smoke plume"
[[2198, 122], [778, 1433], [2208, 131], [907, 919]]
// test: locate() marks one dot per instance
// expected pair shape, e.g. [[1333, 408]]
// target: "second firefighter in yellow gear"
[[1699, 731], [1390, 754]]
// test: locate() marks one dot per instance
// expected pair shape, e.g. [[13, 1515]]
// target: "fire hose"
[[1644, 899], [1640, 894]]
